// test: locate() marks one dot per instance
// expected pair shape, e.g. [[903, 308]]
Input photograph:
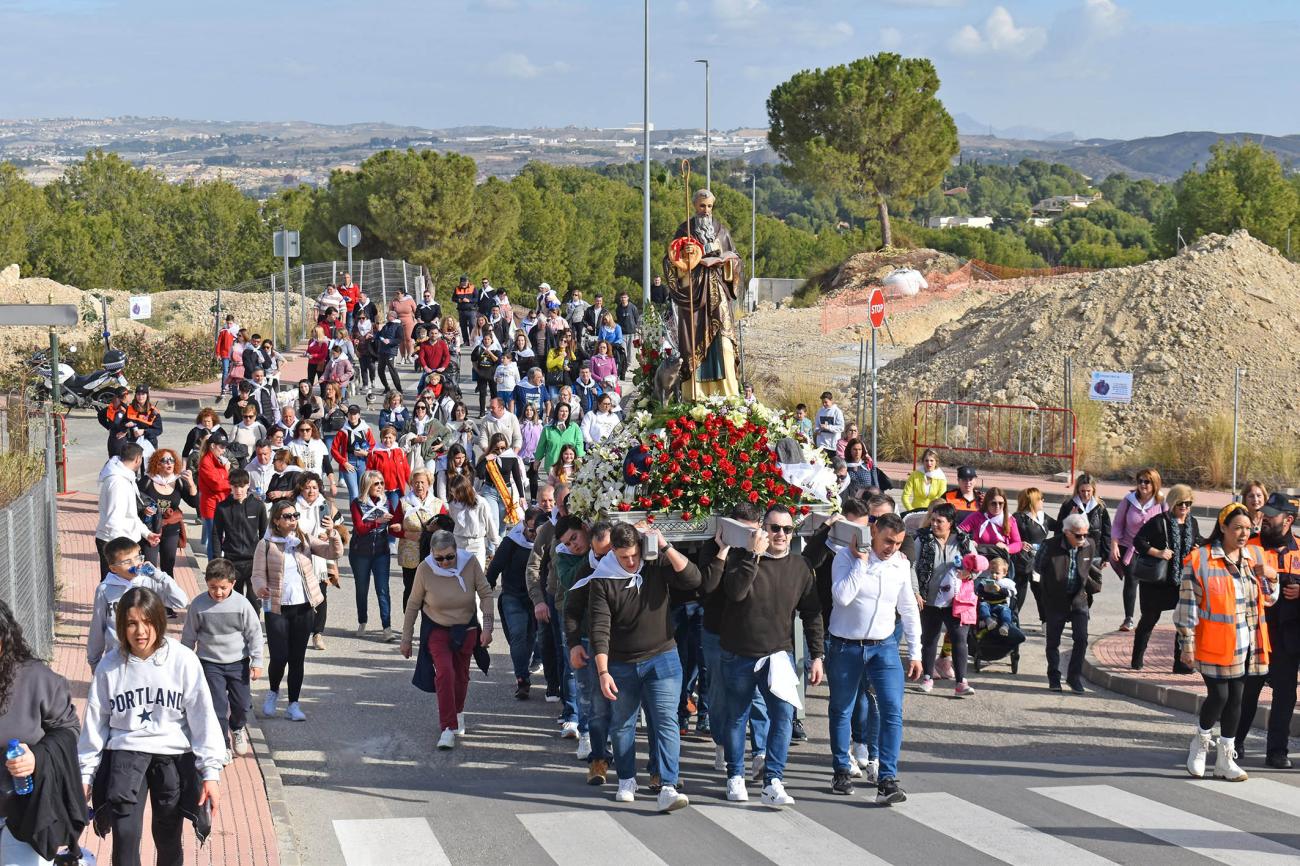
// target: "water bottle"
[[23, 784], [145, 569]]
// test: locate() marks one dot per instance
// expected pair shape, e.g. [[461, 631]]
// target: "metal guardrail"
[[993, 428], [27, 564]]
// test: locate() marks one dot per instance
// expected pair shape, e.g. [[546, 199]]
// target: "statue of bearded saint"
[[704, 278]]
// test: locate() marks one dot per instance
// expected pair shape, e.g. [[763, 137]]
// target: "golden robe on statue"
[[702, 285]]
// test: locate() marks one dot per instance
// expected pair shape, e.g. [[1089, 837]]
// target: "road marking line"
[[786, 837], [586, 838], [1269, 793], [1193, 832], [996, 835], [389, 842]]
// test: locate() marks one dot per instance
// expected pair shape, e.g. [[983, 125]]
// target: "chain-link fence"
[[28, 528], [379, 278]]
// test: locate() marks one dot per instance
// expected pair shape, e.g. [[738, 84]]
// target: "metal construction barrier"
[[993, 428], [27, 565]]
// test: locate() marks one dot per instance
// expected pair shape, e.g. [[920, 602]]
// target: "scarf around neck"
[[608, 568], [462, 559]]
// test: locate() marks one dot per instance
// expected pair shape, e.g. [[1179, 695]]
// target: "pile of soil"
[[869, 268]]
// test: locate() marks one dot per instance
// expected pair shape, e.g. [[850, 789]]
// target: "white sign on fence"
[[1111, 387], [141, 306]]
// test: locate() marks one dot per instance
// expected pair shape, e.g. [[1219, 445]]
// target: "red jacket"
[[340, 450], [434, 355], [214, 485], [225, 340], [351, 294], [318, 352], [395, 526], [393, 466]]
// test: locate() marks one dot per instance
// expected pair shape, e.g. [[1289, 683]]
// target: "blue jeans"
[[225, 374], [741, 680], [364, 566], [999, 612], [689, 619], [852, 669], [351, 473], [520, 628], [394, 497], [655, 684], [866, 722], [209, 539], [594, 709], [568, 683], [711, 645]]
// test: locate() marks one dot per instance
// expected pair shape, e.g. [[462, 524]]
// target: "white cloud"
[[1103, 16], [737, 8], [1000, 35], [891, 38], [515, 64], [818, 35]]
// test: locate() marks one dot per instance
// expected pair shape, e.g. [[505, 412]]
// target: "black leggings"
[[1130, 588], [366, 367], [163, 555], [408, 580], [389, 366], [164, 796], [483, 387], [1222, 704], [286, 637], [933, 620], [318, 617]]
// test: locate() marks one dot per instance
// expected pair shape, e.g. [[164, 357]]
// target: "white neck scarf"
[[608, 568], [462, 559], [936, 474], [413, 503], [290, 543], [517, 536], [164, 480], [1085, 507]]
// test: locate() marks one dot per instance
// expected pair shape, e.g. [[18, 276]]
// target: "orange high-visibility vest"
[[1216, 623]]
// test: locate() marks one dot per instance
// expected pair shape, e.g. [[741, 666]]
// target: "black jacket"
[[508, 566], [1054, 595], [763, 594], [1098, 523], [237, 527], [54, 813], [120, 781]]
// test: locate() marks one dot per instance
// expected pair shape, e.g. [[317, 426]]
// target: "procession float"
[[689, 446]]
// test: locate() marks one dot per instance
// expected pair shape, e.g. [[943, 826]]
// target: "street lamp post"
[[753, 225], [708, 136], [645, 166]]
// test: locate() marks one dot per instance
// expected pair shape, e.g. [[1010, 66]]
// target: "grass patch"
[[19, 470], [1199, 451]]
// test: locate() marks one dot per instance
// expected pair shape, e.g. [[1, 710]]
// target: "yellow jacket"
[[919, 491]]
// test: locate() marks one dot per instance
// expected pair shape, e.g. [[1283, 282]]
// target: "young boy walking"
[[126, 569], [222, 628]]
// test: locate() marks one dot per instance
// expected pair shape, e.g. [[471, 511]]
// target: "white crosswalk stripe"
[[389, 842], [567, 838], [996, 835], [786, 837], [1268, 793], [1187, 830]]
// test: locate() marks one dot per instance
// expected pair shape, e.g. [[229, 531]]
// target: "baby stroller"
[[989, 644]]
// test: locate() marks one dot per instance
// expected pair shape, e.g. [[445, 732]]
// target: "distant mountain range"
[[967, 125]]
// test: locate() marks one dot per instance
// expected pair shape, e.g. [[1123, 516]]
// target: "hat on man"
[[354, 409], [1280, 503], [546, 287], [219, 437], [142, 388], [967, 473]]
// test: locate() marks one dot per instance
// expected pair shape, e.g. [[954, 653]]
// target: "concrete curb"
[[285, 840], [1182, 699]]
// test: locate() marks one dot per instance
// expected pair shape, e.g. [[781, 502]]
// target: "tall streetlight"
[[708, 137], [645, 166], [753, 224]]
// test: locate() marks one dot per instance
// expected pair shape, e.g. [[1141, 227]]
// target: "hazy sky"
[[1115, 68]]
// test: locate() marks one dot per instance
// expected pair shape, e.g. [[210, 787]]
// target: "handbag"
[[1145, 568]]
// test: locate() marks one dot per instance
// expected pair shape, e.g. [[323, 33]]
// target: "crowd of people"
[[621, 623]]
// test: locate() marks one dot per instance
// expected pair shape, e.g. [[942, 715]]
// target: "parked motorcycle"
[[94, 390]]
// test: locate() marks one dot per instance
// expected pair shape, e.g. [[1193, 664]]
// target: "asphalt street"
[[1014, 774]]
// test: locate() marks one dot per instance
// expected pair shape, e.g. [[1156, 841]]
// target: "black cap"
[[354, 409], [967, 473], [1280, 503], [121, 392], [142, 388], [218, 437]]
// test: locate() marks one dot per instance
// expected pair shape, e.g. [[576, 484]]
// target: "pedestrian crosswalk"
[[1078, 825]]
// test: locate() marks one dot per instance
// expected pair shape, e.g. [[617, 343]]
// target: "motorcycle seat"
[[80, 381]]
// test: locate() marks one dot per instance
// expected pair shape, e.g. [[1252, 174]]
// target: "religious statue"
[[704, 276]]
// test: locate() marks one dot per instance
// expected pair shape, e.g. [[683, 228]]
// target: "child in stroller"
[[997, 592]]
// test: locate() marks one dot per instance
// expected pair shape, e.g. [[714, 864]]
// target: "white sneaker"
[[569, 731], [584, 747], [720, 759], [736, 792], [389, 636], [295, 713], [854, 770], [626, 791], [1202, 742], [447, 740], [239, 739], [859, 754], [670, 800], [268, 705], [460, 724], [872, 771], [774, 794], [927, 685], [230, 756], [758, 767], [361, 630], [1225, 762]]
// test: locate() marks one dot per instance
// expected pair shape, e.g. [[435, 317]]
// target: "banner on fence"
[[1111, 387]]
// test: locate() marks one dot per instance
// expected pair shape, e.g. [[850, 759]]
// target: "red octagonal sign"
[[876, 308]]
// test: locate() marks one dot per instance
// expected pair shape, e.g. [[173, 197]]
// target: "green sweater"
[[553, 439]]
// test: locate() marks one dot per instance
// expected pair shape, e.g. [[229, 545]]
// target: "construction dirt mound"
[[173, 311], [869, 268], [1179, 325]]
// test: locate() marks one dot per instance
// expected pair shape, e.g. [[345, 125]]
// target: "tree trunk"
[[886, 235]]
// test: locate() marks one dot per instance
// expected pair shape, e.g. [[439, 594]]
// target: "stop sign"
[[876, 308]]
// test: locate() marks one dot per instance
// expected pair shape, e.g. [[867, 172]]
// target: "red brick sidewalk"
[[242, 831], [1107, 665]]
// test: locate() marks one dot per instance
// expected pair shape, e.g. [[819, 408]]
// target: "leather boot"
[[1139, 650], [1202, 742], [1225, 762]]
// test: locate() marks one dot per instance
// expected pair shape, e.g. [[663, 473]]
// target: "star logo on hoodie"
[[146, 716]]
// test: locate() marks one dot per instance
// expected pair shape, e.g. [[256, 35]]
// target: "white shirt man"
[[499, 420], [868, 589], [119, 501]]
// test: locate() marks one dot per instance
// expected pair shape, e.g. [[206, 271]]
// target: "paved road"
[[1015, 774]]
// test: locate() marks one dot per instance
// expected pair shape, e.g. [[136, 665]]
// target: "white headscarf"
[[516, 534], [608, 568], [462, 559]]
